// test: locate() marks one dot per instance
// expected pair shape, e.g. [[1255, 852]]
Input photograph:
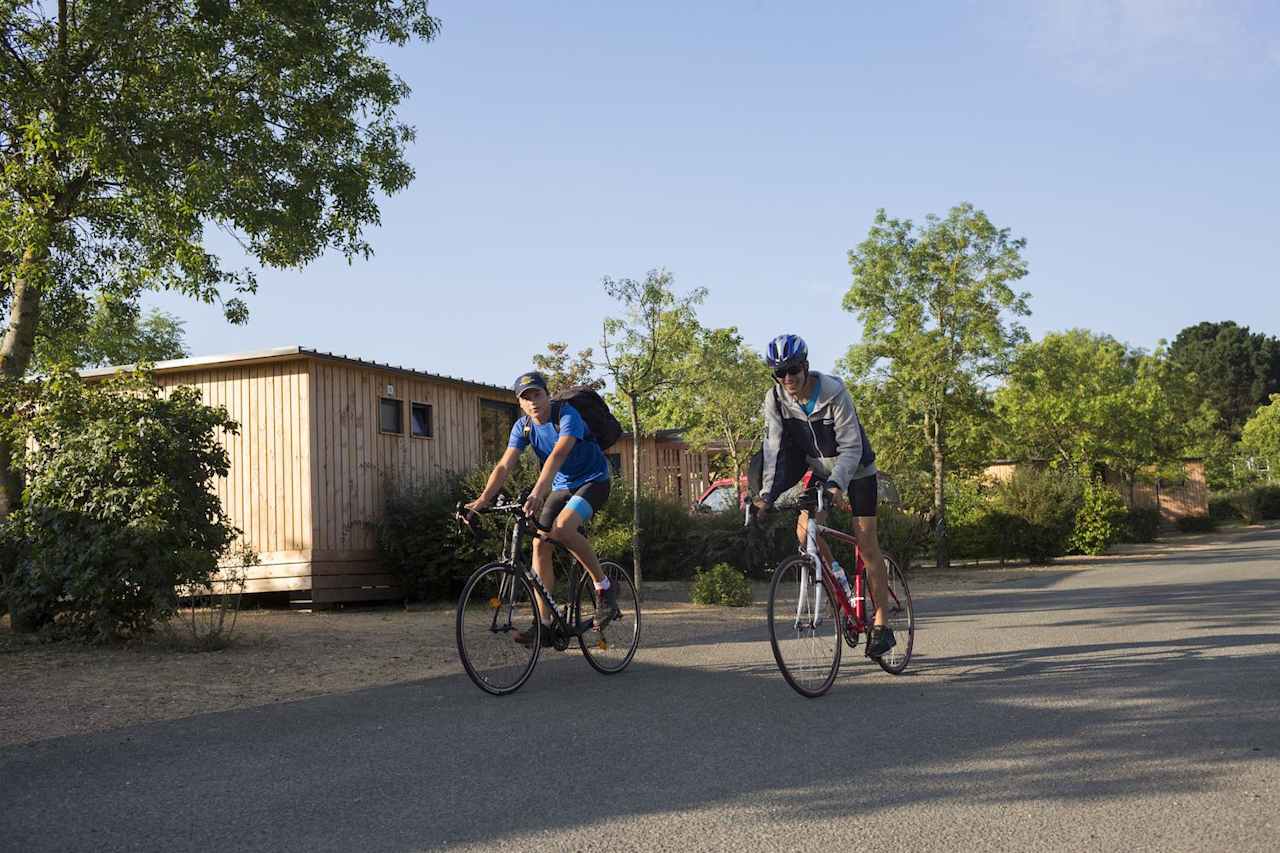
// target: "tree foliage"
[[109, 331], [1083, 400], [939, 321], [642, 353], [716, 405], [129, 128], [565, 371], [1235, 370], [1260, 438]]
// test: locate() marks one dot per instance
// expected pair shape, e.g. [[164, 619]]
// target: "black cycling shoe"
[[525, 638], [880, 640]]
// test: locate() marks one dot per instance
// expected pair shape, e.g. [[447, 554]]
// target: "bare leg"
[[565, 531], [864, 530], [545, 568], [802, 527]]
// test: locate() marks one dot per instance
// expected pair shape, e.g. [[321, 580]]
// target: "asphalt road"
[[1113, 705]]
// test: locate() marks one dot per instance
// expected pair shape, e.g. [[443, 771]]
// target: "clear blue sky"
[[746, 146]]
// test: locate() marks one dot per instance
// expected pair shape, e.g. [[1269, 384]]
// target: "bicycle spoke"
[[806, 641], [495, 604]]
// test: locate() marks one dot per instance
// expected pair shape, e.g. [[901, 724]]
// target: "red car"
[[722, 495]]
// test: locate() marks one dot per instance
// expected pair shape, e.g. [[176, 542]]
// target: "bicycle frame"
[[856, 610], [511, 555]]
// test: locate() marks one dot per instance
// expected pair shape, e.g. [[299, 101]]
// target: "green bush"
[[1141, 524], [118, 511], [1268, 501], [903, 535], [1039, 509], [421, 543], [1196, 524], [722, 584], [1223, 509], [1100, 519]]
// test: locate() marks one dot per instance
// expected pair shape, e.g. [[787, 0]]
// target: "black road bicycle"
[[498, 601]]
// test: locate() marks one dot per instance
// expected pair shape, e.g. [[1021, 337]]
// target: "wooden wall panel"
[[267, 491]]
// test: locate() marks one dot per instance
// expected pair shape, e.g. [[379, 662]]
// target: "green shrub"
[[1196, 524], [118, 509], [1141, 524], [722, 584], [1040, 508], [1268, 501], [1100, 519], [421, 543], [1223, 509], [904, 535]]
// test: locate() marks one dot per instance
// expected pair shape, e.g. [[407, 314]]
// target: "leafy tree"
[[936, 308], [1236, 370], [642, 352], [109, 332], [1082, 400], [119, 507], [717, 404], [128, 128], [562, 371], [1260, 438]]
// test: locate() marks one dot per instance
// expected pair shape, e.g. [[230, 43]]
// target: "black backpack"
[[604, 427]]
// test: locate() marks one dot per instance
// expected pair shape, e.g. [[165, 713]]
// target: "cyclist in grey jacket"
[[811, 424]]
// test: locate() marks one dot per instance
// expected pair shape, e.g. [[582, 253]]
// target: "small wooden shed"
[[322, 437], [670, 467]]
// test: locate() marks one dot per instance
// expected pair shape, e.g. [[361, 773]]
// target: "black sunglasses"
[[788, 371]]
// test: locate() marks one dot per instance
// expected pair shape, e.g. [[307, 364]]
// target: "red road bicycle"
[[810, 614]]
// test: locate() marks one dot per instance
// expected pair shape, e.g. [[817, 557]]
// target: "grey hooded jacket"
[[832, 439]]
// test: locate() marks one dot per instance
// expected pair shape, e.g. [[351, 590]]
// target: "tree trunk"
[[635, 493], [939, 497], [15, 357]]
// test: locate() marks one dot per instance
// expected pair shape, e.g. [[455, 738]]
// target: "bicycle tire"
[[901, 618], [796, 629], [494, 661], [605, 650]]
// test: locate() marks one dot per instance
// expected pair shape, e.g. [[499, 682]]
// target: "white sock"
[[602, 585]]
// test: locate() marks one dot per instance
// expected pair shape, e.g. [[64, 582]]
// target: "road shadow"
[[437, 762]]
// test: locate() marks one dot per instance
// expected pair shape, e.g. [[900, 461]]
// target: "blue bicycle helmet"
[[786, 350]]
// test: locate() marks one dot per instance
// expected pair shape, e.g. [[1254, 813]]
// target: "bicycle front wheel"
[[804, 628], [496, 603], [610, 650], [900, 616]]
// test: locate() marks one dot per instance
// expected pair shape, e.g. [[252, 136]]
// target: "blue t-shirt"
[[585, 463]]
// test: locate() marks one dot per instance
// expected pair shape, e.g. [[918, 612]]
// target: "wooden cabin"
[[1174, 499], [322, 437]]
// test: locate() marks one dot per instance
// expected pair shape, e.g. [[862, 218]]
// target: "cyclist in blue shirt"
[[573, 486]]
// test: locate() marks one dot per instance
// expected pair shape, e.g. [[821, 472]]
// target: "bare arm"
[[497, 478]]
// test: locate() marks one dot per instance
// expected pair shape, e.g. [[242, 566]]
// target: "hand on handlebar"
[[533, 504], [476, 505]]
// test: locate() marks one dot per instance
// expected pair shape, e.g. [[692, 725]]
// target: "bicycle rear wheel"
[[610, 650], [804, 629], [496, 602], [900, 617]]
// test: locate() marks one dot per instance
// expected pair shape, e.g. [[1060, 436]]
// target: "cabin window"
[[420, 420], [391, 416], [495, 427]]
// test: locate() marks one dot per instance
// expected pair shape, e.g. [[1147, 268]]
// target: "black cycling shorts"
[[864, 492], [586, 499]]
